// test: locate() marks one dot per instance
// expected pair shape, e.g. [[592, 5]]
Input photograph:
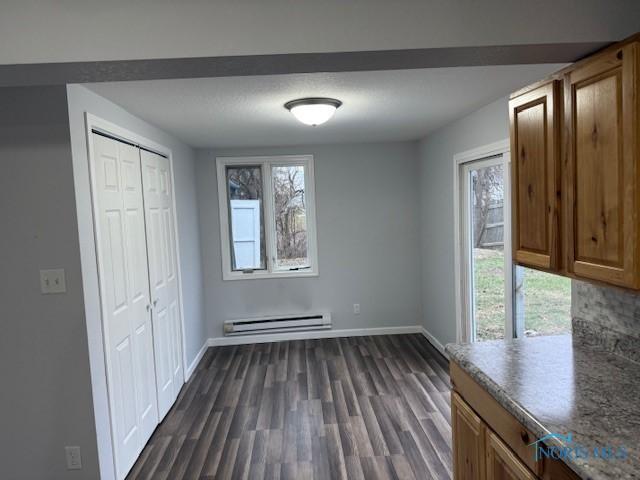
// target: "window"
[[267, 217], [497, 298], [542, 303]]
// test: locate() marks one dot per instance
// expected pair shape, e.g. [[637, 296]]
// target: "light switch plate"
[[74, 459], [52, 281]]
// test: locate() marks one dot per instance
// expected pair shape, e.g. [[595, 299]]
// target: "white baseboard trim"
[[434, 341], [194, 364], [279, 337]]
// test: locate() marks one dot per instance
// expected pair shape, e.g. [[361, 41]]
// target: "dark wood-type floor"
[[358, 408]]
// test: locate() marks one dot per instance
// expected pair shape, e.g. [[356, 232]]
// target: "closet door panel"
[[121, 248], [173, 310], [139, 288], [157, 276], [158, 199], [176, 345]]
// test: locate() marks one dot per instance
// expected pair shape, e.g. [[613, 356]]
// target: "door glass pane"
[[487, 246], [246, 217], [542, 301], [290, 214]]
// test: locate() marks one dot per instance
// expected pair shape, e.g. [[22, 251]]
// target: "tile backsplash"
[[607, 318]]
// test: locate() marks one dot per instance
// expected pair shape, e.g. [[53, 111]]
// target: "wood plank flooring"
[[358, 407]]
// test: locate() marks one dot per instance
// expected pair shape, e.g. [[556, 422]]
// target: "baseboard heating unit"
[[278, 324]]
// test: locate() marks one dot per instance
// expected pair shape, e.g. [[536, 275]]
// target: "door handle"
[[148, 307], [155, 302]]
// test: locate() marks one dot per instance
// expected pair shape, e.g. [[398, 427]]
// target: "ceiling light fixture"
[[313, 111]]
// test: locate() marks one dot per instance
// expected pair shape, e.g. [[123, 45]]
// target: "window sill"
[[260, 275]]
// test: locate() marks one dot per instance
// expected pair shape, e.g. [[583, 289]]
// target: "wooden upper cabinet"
[[535, 159], [601, 178]]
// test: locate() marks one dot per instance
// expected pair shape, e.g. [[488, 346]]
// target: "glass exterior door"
[[485, 206]]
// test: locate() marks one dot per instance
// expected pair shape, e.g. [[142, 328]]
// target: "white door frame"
[[95, 123], [462, 273]]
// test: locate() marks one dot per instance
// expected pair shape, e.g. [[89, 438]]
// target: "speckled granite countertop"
[[552, 385]]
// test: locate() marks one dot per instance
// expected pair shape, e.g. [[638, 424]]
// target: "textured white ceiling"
[[377, 106]]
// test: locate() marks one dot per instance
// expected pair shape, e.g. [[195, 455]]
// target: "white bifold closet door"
[[125, 295], [163, 277], [137, 266]]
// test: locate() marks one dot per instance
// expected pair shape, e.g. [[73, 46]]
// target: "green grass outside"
[[547, 304]]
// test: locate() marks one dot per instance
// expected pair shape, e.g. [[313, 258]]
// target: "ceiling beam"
[[201, 67]]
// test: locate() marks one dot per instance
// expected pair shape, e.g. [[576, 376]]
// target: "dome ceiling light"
[[313, 111]]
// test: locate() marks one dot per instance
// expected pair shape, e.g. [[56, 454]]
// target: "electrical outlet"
[[74, 460], [52, 281], [356, 309]]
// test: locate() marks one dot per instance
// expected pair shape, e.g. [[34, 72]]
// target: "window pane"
[[544, 300], [487, 236], [246, 217], [290, 217]]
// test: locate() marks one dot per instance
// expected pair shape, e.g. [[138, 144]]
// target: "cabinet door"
[[502, 464], [602, 172], [468, 441], [535, 158]]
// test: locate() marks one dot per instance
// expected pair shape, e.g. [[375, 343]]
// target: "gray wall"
[[71, 30], [368, 238], [46, 401], [82, 100], [487, 125]]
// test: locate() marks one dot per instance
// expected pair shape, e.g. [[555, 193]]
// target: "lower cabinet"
[[478, 453], [488, 442], [469, 438], [502, 463]]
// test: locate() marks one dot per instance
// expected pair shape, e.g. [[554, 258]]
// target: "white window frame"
[[269, 228], [463, 274]]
